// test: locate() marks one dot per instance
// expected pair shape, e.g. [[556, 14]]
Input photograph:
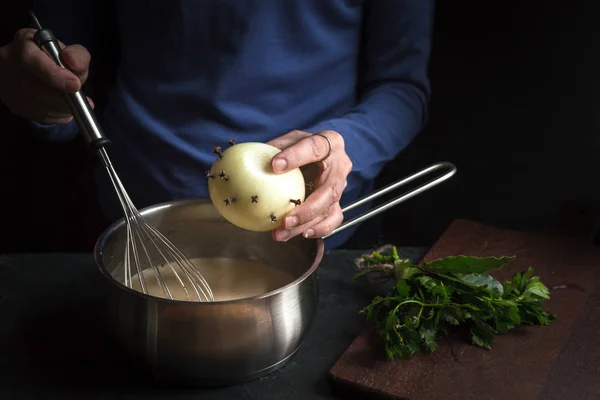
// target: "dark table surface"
[[53, 344]]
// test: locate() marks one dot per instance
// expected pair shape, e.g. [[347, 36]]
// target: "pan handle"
[[451, 170]]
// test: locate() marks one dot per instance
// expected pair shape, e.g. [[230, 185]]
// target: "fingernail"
[[290, 222], [279, 165], [309, 233], [282, 235]]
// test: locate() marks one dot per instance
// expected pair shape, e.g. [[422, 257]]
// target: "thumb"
[[77, 59]]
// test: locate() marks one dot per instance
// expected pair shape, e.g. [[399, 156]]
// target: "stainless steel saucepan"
[[229, 342]]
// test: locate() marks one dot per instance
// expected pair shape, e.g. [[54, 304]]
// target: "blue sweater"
[[193, 74]]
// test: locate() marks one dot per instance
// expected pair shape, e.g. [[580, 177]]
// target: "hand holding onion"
[[260, 187]]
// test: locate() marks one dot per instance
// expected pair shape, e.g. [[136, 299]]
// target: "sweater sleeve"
[[394, 86], [73, 22]]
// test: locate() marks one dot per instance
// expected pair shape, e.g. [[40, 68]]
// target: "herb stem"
[[417, 302], [449, 292]]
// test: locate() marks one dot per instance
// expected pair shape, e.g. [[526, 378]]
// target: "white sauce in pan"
[[228, 278]]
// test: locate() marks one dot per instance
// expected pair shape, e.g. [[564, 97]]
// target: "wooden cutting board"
[[560, 361]]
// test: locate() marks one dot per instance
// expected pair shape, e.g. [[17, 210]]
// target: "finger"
[[283, 234], [34, 109], [327, 225], [311, 173], [51, 99], [30, 108], [318, 227], [77, 59], [311, 149], [47, 99], [320, 173], [47, 119], [287, 140], [316, 204], [38, 63]]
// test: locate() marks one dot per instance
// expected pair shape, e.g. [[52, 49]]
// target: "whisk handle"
[[78, 104]]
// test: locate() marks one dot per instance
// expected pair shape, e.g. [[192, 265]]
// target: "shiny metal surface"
[[218, 343], [78, 104], [146, 247], [449, 167], [223, 343]]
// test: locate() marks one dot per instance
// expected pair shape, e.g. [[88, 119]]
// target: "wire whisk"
[[148, 253], [160, 254]]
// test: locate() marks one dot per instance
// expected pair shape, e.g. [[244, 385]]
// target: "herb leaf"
[[431, 300], [481, 280], [467, 264]]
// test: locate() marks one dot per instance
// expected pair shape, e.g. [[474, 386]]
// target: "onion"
[[247, 192]]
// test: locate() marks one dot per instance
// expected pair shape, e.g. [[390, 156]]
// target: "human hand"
[[33, 86], [321, 212]]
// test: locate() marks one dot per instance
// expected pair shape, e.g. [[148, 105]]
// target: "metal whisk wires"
[[145, 245]]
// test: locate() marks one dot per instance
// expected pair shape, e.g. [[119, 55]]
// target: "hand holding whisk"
[[147, 250]]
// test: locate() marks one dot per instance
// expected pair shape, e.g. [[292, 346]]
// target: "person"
[[191, 75]]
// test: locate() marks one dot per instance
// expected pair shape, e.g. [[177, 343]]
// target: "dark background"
[[515, 95]]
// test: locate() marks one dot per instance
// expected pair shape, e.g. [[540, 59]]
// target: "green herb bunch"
[[431, 299]]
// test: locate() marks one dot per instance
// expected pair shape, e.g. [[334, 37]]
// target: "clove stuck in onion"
[[247, 192]]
